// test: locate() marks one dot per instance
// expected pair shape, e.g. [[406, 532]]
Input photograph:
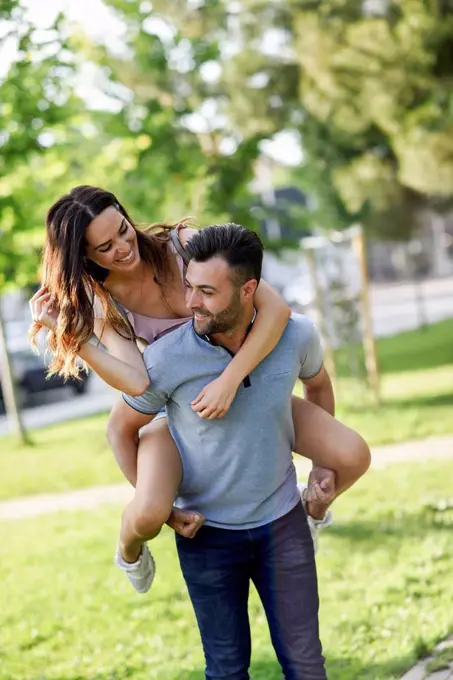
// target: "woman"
[[102, 277]]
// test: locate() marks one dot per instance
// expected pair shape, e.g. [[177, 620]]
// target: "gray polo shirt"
[[237, 470]]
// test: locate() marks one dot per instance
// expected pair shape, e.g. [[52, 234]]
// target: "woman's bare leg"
[[329, 444], [159, 473], [318, 436]]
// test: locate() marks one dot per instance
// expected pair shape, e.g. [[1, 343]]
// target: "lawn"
[[417, 389], [385, 579], [67, 456], [415, 350]]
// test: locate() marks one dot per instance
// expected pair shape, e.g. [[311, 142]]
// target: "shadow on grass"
[[269, 669], [337, 669], [120, 673], [426, 400], [347, 668], [422, 401], [391, 528]]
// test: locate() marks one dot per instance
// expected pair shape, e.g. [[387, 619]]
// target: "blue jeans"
[[218, 565]]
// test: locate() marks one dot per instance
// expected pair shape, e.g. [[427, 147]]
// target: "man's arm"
[[317, 386], [123, 428], [321, 482], [319, 391]]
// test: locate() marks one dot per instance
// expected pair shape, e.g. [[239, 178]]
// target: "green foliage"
[[182, 169], [142, 148], [36, 100], [377, 76], [371, 93], [195, 89]]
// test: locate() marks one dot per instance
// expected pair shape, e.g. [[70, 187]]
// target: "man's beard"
[[223, 321]]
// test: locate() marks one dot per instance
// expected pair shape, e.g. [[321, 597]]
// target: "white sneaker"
[[315, 525], [140, 573]]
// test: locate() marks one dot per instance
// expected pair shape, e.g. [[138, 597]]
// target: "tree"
[[369, 87], [172, 114], [34, 99]]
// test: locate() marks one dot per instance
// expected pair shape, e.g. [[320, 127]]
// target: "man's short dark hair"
[[241, 249]]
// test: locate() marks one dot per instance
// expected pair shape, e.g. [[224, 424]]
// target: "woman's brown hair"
[[74, 281]]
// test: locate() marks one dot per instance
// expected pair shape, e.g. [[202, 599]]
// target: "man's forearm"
[[321, 396]]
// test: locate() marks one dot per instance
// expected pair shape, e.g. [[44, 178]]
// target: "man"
[[237, 471]]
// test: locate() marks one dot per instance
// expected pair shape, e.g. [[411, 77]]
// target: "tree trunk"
[[441, 262], [369, 342], [8, 389]]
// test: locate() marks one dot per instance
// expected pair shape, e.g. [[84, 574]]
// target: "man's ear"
[[249, 289]]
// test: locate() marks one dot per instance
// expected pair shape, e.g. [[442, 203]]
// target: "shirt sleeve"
[[311, 350], [149, 403], [157, 394]]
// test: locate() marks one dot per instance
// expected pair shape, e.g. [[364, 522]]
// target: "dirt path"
[[96, 496]]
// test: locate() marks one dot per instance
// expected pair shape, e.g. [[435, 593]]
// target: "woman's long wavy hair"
[[74, 281]]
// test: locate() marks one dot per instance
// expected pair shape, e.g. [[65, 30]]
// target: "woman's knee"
[[149, 518], [327, 441], [159, 472], [354, 454]]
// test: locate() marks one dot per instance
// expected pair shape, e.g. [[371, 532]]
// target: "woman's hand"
[[185, 522], [215, 399], [43, 309]]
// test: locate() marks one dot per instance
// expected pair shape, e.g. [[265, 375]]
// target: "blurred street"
[[401, 307], [59, 405]]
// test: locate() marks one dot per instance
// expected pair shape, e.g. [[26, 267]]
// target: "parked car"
[[30, 373]]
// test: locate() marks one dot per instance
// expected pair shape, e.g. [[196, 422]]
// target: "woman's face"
[[112, 242]]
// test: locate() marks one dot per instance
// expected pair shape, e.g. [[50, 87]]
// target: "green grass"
[[68, 456], [417, 390], [414, 405], [385, 580], [417, 350], [441, 660], [416, 370]]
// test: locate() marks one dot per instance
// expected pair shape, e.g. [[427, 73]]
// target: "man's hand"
[[185, 522], [321, 486]]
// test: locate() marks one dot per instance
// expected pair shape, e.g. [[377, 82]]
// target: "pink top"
[[149, 328]]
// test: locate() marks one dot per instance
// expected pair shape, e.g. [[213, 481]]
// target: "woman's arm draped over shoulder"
[[271, 320]]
